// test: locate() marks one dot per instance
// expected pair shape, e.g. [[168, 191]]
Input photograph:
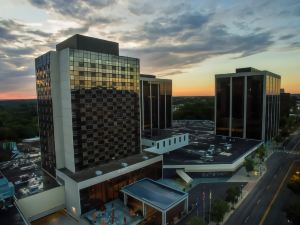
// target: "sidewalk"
[[252, 181], [247, 189]]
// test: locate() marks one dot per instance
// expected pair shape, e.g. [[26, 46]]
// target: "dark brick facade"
[[105, 125]]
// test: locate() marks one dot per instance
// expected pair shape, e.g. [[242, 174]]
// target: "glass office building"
[[247, 104], [156, 102]]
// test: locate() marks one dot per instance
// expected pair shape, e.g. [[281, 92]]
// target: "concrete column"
[[263, 132], [150, 107], [142, 98], [245, 106], [186, 205], [164, 218], [144, 210], [158, 108], [230, 109], [125, 199], [166, 109], [215, 128]]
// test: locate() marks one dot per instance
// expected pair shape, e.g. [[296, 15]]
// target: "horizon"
[[188, 42]]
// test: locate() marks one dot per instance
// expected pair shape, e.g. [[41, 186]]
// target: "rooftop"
[[154, 194], [82, 42], [148, 75], [151, 77], [159, 134], [202, 138], [248, 71], [225, 150], [107, 167]]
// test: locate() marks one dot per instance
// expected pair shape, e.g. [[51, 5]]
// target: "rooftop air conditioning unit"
[[98, 172], [124, 164]]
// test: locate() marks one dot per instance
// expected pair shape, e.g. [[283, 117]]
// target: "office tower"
[[88, 104], [284, 104], [156, 102], [247, 104]]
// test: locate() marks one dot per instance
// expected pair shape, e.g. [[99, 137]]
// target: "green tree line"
[[18, 119], [193, 108]]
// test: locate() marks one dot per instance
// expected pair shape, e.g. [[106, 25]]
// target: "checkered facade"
[[105, 125], [105, 107]]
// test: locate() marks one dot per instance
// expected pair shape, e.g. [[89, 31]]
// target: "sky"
[[186, 41]]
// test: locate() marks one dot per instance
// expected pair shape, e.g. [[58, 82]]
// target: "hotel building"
[[90, 124]]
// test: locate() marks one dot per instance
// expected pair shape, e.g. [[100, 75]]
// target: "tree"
[[232, 195], [249, 165], [196, 220], [219, 209], [261, 153], [278, 139]]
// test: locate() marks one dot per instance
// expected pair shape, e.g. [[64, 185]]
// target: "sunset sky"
[[186, 41]]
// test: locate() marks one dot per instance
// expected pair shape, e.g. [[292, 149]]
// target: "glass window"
[[237, 106], [254, 107], [223, 105]]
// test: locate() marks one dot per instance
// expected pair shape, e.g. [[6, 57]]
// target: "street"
[[255, 205]]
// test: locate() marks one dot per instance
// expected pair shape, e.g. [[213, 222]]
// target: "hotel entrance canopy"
[[156, 195]]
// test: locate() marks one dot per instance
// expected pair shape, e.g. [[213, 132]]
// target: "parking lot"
[[27, 176]]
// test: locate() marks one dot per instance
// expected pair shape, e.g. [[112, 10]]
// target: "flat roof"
[[155, 194], [87, 43], [159, 134], [191, 154], [147, 75], [107, 167]]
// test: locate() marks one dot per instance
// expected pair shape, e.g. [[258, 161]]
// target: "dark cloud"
[[39, 33], [12, 52], [212, 41], [6, 34], [295, 44], [287, 36], [174, 72], [141, 8], [77, 9], [73, 30], [168, 27], [10, 71], [17, 49], [6, 30]]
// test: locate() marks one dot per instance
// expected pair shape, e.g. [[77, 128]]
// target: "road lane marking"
[[276, 195], [258, 201], [246, 220], [293, 149]]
